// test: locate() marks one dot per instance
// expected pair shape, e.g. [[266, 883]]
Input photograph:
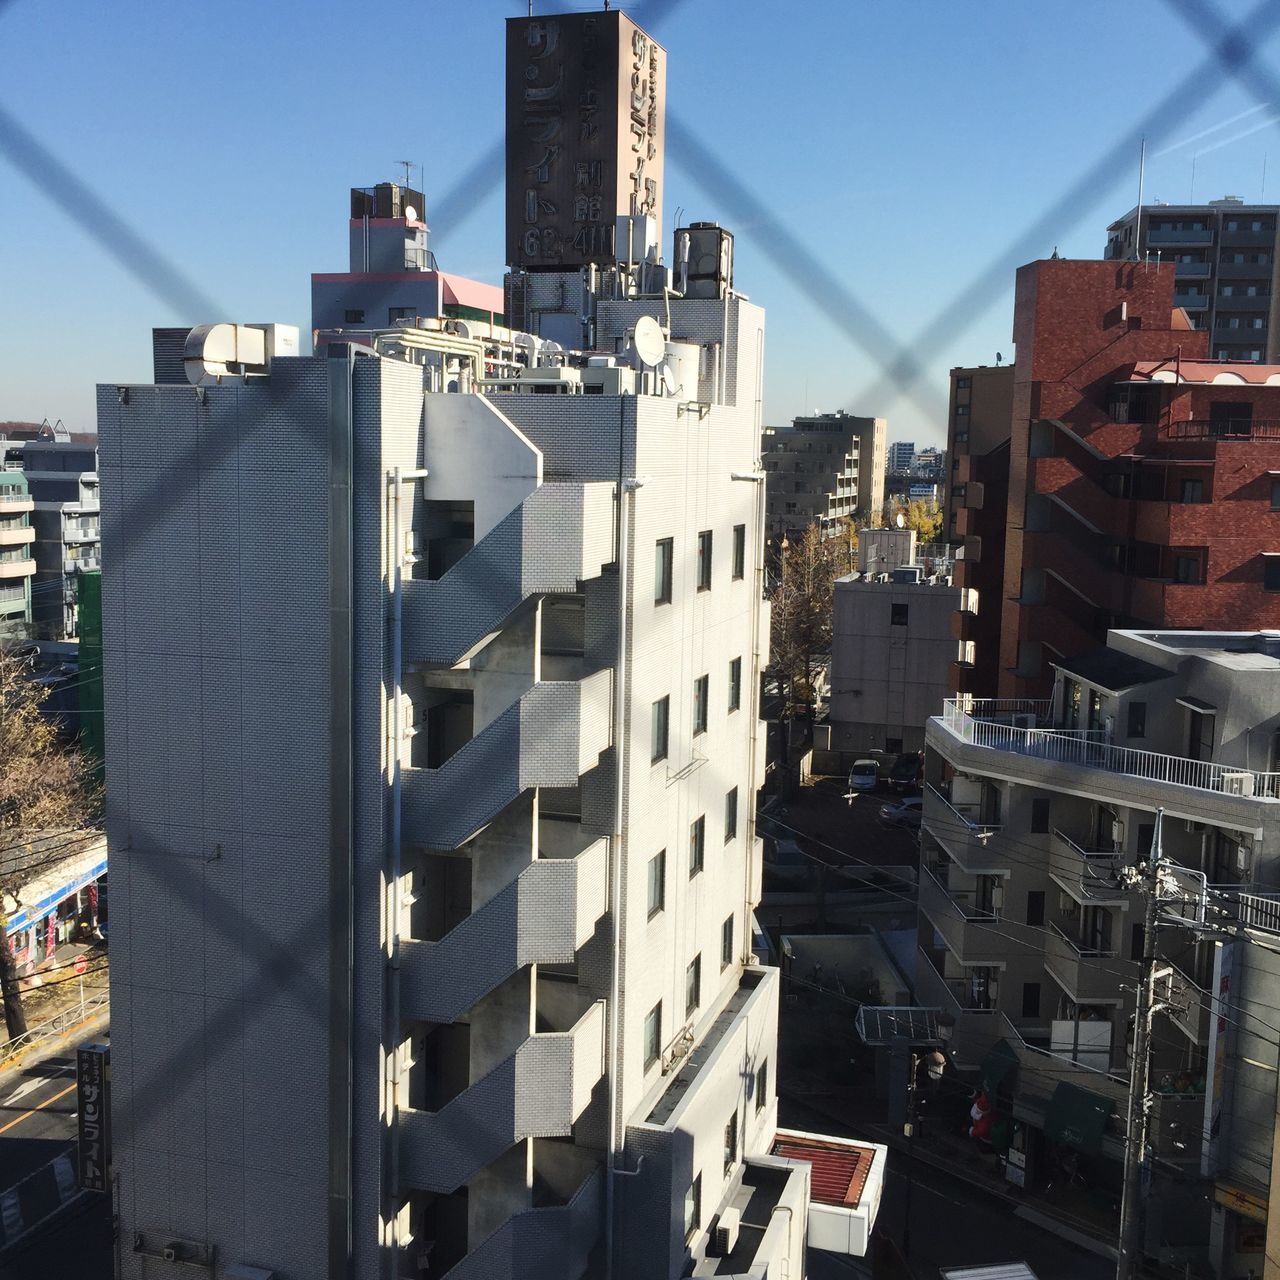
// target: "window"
[[693, 985], [1193, 491], [700, 692], [963, 384], [726, 942], [762, 1085], [1040, 816], [704, 560], [659, 726], [898, 615], [893, 746], [735, 684], [1186, 569], [693, 1208], [731, 1144], [657, 882], [353, 317], [400, 313], [962, 411], [662, 561], [1271, 572], [739, 550], [1035, 906], [1137, 720], [731, 815], [1275, 495], [1030, 999], [653, 1035], [697, 845]]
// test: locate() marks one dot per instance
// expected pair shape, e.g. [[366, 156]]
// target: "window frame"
[[697, 845], [663, 570], [706, 549], [653, 1036], [727, 930], [731, 815], [762, 1085], [739, 552], [693, 986], [693, 1209], [660, 713], [735, 685], [899, 612], [656, 879], [701, 699]]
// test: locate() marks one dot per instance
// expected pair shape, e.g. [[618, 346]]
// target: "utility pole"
[[1146, 877]]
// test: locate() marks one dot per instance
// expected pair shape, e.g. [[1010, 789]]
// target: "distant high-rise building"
[[901, 455], [823, 468], [435, 755], [975, 502], [1226, 256]]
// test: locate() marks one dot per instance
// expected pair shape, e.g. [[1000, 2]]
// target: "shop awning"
[[1001, 1059], [1077, 1117]]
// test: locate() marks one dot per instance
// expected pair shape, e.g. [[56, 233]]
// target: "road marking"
[[29, 1086], [38, 1107]]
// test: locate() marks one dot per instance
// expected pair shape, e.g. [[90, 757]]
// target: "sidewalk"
[[62, 1008]]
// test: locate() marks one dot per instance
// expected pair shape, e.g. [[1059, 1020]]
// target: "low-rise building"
[[17, 566], [1031, 934]]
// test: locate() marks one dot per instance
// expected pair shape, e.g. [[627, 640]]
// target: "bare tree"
[[48, 795], [801, 614]]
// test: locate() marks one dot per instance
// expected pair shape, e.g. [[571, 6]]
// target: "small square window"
[[898, 615], [701, 692], [739, 550], [1271, 572], [693, 1209], [400, 313], [735, 684], [1186, 569], [663, 557], [963, 384], [657, 882], [653, 1035], [704, 560], [659, 729], [726, 942], [697, 845], [692, 985], [731, 815], [353, 317], [762, 1086]]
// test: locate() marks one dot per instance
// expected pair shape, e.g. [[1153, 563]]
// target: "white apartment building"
[[1031, 942], [431, 811]]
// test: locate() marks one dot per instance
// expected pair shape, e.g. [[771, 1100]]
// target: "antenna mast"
[[408, 171], [1142, 173]]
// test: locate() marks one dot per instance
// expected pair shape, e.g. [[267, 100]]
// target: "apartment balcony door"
[[1096, 930]]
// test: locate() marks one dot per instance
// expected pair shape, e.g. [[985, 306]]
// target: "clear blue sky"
[[908, 145]]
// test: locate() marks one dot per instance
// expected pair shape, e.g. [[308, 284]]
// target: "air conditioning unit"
[[726, 1232], [1024, 720], [1238, 784]]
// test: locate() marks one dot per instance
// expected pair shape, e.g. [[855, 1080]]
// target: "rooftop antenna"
[[1195, 156], [1142, 173], [408, 171]]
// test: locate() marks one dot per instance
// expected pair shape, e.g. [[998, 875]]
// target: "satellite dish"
[[410, 213], [669, 379], [649, 341], [900, 520]]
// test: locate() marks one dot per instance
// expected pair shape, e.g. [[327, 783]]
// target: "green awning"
[[997, 1064], [1077, 1117]]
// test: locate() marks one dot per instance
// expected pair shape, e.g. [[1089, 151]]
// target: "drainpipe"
[[622, 529], [395, 741]]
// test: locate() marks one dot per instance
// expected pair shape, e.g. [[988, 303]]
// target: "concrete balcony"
[[974, 1030], [1088, 975], [17, 536], [1088, 875], [985, 738], [1253, 303], [17, 568], [1191, 301], [550, 1242], [538, 1092], [972, 934], [561, 535], [968, 841], [1258, 273], [542, 917], [550, 737], [1194, 270], [1040, 1071], [1245, 239], [16, 506], [768, 1242]]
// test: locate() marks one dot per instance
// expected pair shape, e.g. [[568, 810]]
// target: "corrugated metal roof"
[[839, 1169]]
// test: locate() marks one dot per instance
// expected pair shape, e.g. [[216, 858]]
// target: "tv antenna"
[[408, 171]]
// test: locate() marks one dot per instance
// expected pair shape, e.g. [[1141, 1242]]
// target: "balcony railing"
[[1091, 873], [991, 725], [1167, 235], [1231, 429], [964, 816]]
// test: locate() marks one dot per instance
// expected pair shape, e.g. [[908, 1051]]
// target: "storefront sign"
[[93, 1095], [1244, 1203]]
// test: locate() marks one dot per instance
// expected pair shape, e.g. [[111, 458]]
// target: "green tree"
[[48, 795]]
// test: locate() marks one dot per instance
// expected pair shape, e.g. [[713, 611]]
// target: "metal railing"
[[1089, 748], [1259, 910], [962, 815], [964, 902], [1093, 869], [1066, 929], [52, 1028], [1232, 429]]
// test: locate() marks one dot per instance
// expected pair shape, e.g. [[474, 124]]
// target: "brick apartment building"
[[1142, 476]]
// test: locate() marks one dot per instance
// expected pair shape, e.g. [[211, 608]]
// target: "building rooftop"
[[1112, 670], [839, 1168], [1207, 372]]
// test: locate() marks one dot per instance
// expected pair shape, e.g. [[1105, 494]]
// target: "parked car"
[[864, 775], [905, 813], [907, 772]]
